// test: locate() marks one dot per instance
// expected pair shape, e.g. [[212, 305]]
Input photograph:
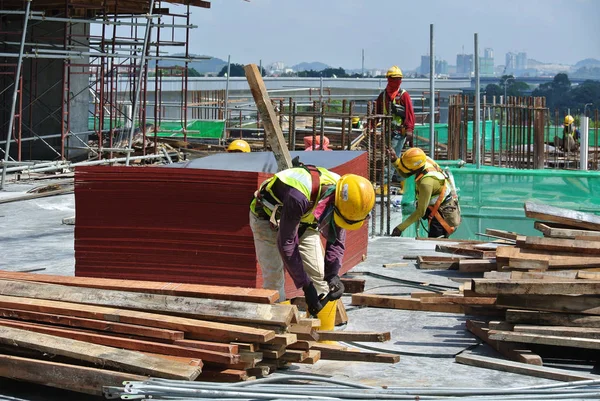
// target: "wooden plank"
[[199, 308], [508, 350], [64, 376], [332, 353], [396, 264], [341, 317], [476, 265], [438, 262], [128, 361], [393, 302], [561, 245], [258, 295], [552, 319], [466, 251], [101, 325], [562, 216], [208, 345], [527, 338], [532, 286], [269, 118], [588, 275], [550, 275], [225, 375], [554, 231], [559, 331], [488, 301], [306, 333], [245, 346], [194, 328], [127, 343], [504, 234], [353, 285], [301, 345], [585, 304], [425, 294], [468, 358], [354, 336], [285, 339], [313, 357], [293, 355]]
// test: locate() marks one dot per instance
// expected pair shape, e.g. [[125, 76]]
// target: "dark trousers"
[[435, 229]]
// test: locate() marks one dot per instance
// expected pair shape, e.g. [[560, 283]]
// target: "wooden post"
[[265, 108], [539, 126]]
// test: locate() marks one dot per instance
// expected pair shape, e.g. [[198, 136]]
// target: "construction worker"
[[570, 139], [289, 213], [396, 101], [238, 146], [435, 193]]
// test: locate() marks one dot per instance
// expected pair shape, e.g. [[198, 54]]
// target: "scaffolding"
[[76, 60]]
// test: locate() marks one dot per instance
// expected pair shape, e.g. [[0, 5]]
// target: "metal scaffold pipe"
[[476, 133], [431, 94], [13, 106]]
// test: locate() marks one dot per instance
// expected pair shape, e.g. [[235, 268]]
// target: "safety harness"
[[434, 209]]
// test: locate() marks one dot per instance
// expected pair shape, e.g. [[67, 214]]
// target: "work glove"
[[312, 299], [399, 110], [391, 154], [336, 287], [397, 232]]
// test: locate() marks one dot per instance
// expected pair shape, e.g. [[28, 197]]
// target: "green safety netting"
[[174, 129], [493, 197]]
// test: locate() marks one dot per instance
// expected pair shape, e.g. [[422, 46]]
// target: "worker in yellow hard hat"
[[238, 146], [289, 213], [356, 123], [435, 193], [571, 135], [396, 102]]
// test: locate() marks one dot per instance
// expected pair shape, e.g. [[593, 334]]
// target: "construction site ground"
[[33, 237]]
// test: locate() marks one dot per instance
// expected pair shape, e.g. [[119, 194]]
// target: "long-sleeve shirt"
[[427, 187], [404, 100], [296, 205]]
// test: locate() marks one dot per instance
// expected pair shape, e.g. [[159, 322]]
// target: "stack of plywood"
[[97, 332], [187, 222]]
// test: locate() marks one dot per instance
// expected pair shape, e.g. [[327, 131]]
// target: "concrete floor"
[[33, 236]]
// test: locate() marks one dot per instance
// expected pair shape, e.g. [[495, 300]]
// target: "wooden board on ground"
[[504, 234], [199, 308], [562, 216], [559, 341], [468, 358], [551, 318], [393, 302], [59, 375], [553, 230], [353, 285], [513, 352], [337, 353], [561, 245], [476, 265], [583, 304], [438, 262], [364, 336], [560, 331], [194, 328], [257, 295], [341, 317], [466, 250], [533, 286], [128, 361]]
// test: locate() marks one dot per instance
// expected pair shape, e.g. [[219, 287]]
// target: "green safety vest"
[[432, 169], [300, 179], [396, 120]]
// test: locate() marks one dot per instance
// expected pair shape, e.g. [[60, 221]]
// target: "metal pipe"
[[225, 106], [584, 143], [477, 107], [13, 106], [431, 93], [140, 76]]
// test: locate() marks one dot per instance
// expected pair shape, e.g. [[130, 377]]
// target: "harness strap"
[[434, 212], [315, 178]]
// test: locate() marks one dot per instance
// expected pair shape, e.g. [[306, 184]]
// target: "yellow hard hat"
[[354, 199], [412, 160], [569, 119], [238, 146], [355, 120], [394, 72]]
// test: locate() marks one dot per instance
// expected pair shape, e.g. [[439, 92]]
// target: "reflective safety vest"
[[301, 179], [432, 169], [396, 120]]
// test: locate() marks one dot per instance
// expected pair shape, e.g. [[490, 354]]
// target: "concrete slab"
[[33, 236]]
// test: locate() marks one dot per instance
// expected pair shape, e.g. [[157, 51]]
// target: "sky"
[[394, 32]]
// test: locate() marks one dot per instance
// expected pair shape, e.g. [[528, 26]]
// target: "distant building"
[[464, 65], [521, 61], [441, 66], [486, 63], [510, 63], [488, 52]]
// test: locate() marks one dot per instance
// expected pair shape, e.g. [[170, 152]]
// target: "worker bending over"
[[238, 146], [435, 193], [571, 135], [289, 213]]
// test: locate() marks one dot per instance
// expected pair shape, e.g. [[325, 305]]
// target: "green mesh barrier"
[[493, 197], [174, 129]]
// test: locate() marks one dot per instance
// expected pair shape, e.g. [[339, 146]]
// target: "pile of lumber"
[[81, 334]]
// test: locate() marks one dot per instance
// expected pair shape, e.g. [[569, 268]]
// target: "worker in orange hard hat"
[[396, 102], [289, 213], [238, 146], [436, 196]]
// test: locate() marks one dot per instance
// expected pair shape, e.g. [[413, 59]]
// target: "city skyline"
[[336, 31]]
